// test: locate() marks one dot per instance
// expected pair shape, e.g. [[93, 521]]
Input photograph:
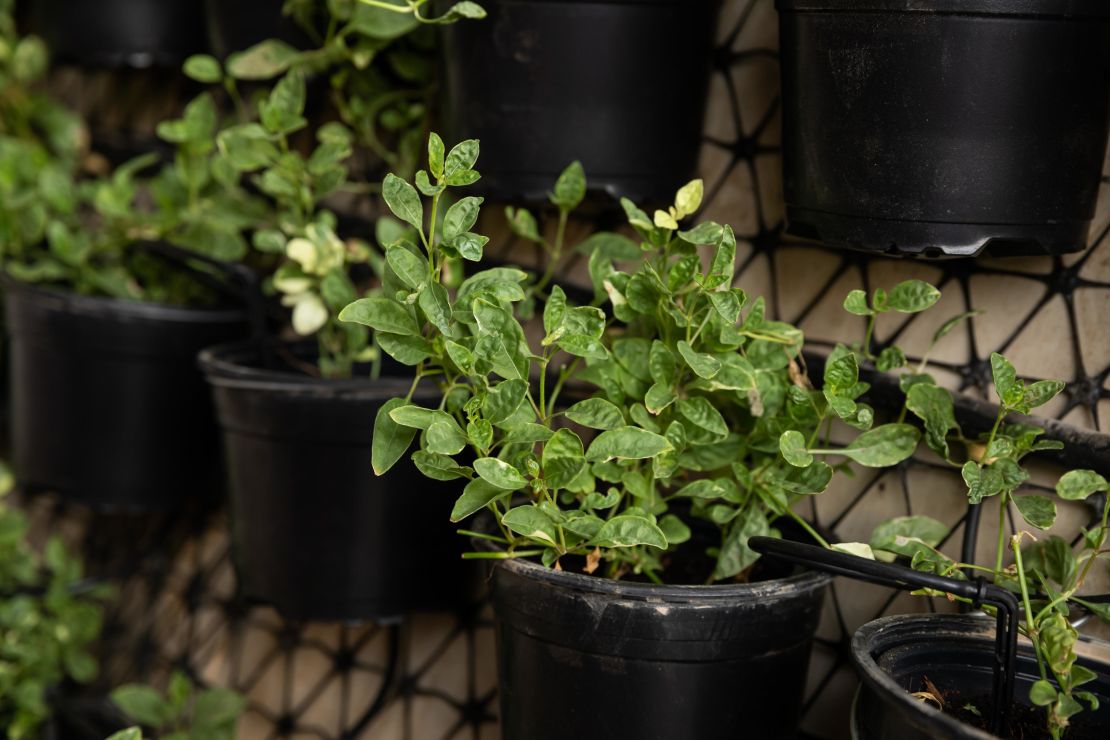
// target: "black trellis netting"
[[432, 676]]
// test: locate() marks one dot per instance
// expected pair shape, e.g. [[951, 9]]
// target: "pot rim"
[[224, 366], [66, 301], [1069, 9], [651, 592], [958, 626]]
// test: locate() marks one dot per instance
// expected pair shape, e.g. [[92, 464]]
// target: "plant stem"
[[867, 336], [812, 532], [1002, 502], [556, 251]]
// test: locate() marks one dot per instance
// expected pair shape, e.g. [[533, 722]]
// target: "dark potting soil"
[[1026, 722]]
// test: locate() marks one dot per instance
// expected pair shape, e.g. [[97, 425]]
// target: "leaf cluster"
[[47, 623], [182, 713], [689, 403]]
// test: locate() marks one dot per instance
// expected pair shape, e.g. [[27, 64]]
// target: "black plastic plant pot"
[[895, 655], [120, 33], [107, 405], [236, 25], [594, 659], [315, 533], [618, 84], [936, 128]]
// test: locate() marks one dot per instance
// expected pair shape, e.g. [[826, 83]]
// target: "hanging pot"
[[944, 127], [120, 33], [315, 533], [107, 406], [619, 85], [894, 656], [594, 659]]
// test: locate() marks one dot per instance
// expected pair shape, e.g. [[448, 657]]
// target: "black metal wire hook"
[[906, 579]]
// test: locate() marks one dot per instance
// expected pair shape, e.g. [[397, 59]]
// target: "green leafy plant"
[[690, 404], [48, 619], [1049, 573], [59, 228], [183, 713]]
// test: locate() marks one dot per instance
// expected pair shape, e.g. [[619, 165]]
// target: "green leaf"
[[659, 397], [131, 733], [439, 467], [523, 224], [883, 446], [281, 113], [476, 496], [570, 188], [390, 440], [630, 531], [444, 437], [952, 323], [436, 305], [688, 198], [382, 314], [841, 374], [503, 399], [435, 155], [907, 535], [407, 350], [501, 340], [792, 445], [412, 270], [856, 303], [859, 549], [217, 708], [461, 217], [562, 458], [913, 296], [530, 522], [724, 260], [499, 473], [1038, 511], [662, 364], [203, 68], [1076, 485], [554, 315], [703, 415], [933, 405], [981, 482], [674, 529], [703, 488], [416, 417], [461, 158], [262, 61], [1042, 693], [610, 245], [142, 704], [403, 200], [460, 10], [469, 245], [626, 443], [703, 365], [1009, 389], [1040, 393], [735, 555], [596, 413], [890, 358]]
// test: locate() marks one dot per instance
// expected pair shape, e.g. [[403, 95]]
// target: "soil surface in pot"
[[1026, 722]]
